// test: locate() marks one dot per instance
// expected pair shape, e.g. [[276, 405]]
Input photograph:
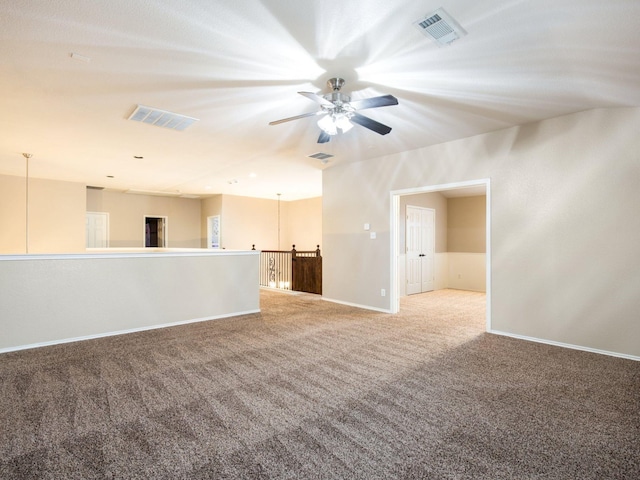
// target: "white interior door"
[[97, 230], [420, 249], [213, 231], [414, 250]]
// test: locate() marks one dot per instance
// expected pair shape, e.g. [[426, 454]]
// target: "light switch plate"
[[372, 235], [367, 226]]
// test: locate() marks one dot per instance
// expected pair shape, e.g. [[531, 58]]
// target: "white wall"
[[565, 227], [462, 271], [48, 299]]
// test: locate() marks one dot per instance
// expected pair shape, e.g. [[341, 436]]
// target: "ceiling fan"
[[340, 113]]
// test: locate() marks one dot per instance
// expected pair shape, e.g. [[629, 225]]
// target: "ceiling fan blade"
[[310, 114], [370, 124], [373, 102], [324, 137], [317, 98]]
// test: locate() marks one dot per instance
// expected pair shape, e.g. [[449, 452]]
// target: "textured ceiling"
[[236, 65]]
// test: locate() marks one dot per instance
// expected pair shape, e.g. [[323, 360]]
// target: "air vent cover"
[[440, 27], [161, 118], [320, 156]]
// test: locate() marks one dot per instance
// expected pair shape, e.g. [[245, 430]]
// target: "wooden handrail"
[[293, 251]]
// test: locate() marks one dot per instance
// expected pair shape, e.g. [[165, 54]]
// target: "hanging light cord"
[[279, 221], [27, 156]]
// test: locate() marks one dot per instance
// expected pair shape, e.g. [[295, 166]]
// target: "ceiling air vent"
[[323, 157], [161, 118], [440, 27]]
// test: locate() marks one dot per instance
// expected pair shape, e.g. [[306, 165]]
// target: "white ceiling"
[[236, 65]]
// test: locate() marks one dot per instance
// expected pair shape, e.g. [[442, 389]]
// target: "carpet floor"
[[308, 389]]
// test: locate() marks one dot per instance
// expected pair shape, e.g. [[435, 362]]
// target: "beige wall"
[[127, 211], [564, 195], [12, 214], [56, 216], [246, 221], [210, 207], [304, 225], [466, 224]]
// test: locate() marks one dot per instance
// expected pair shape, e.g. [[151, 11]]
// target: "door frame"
[[165, 230], [394, 228]]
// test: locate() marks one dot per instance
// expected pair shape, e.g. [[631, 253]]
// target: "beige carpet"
[[309, 389]]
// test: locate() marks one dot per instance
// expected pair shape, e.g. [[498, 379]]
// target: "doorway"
[[97, 230], [155, 231], [213, 231], [420, 249], [398, 276]]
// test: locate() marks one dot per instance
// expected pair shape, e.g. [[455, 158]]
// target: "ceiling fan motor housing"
[[335, 84], [337, 98]]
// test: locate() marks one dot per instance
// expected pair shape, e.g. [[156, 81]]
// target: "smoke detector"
[[440, 27]]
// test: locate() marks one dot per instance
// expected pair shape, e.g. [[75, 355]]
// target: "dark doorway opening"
[[154, 232]]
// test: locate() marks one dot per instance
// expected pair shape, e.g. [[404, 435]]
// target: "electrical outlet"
[[383, 293]]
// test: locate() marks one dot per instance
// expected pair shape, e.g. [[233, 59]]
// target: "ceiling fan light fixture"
[[328, 125], [343, 123]]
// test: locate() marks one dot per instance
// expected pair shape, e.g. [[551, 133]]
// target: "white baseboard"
[[122, 332], [566, 345], [364, 307]]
